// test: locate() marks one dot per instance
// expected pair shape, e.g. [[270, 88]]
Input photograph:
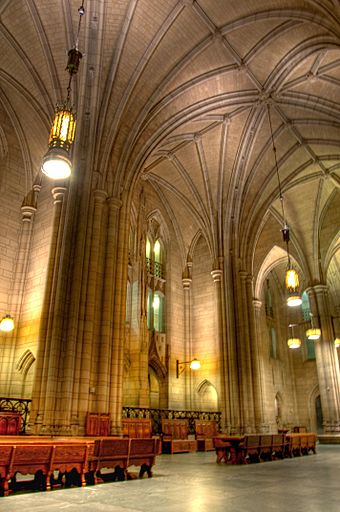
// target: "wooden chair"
[[205, 432]]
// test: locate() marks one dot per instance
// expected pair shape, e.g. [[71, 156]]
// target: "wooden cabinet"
[[97, 424], [10, 423]]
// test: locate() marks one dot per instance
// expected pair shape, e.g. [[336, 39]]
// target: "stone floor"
[[195, 483]]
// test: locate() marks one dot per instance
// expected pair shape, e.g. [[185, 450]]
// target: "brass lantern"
[[56, 162]]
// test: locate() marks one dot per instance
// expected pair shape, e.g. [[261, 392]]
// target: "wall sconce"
[[195, 364], [7, 324], [56, 162], [293, 342]]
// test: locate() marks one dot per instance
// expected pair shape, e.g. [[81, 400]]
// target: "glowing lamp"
[[7, 324], [294, 300], [195, 364], [56, 162], [313, 334], [294, 342]]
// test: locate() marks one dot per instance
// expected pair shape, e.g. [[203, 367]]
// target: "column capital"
[[100, 196], [217, 275], [27, 213], [186, 281], [115, 203], [58, 194], [257, 304], [245, 276], [318, 289]]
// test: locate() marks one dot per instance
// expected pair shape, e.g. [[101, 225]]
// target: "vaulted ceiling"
[[182, 93]]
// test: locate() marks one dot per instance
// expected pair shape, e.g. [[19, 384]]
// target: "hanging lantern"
[[56, 162], [313, 333], [292, 285], [294, 342]]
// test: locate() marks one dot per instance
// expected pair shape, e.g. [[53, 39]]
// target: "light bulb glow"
[[294, 342], [292, 279], [313, 334], [294, 300], [195, 364], [7, 324], [56, 164]]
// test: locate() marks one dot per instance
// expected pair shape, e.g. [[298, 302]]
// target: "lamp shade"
[[195, 364], [337, 342], [294, 342], [294, 300], [57, 164], [313, 333], [7, 324]]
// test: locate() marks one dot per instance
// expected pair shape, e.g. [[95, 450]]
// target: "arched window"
[[158, 312], [273, 345], [305, 307]]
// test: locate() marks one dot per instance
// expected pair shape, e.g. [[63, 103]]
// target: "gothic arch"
[[207, 396]]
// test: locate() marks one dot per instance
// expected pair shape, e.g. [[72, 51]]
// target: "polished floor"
[[195, 483]]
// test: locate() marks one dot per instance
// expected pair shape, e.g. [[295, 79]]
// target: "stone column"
[[9, 349], [245, 353], [82, 369], [224, 397], [47, 370], [326, 360], [187, 282], [118, 318], [261, 421]]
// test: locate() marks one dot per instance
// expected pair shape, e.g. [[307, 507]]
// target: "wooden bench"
[[279, 444], [109, 454], [300, 443], [205, 432], [175, 436], [250, 449], [41, 459], [119, 454], [137, 427]]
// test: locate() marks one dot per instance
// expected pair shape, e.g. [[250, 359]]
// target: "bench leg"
[[145, 469]]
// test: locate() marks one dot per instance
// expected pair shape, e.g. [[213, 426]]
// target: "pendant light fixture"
[[313, 333], [291, 278], [56, 162], [293, 341]]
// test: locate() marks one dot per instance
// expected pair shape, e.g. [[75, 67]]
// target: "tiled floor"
[[195, 483]]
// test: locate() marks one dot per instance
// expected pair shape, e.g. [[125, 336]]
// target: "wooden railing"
[[157, 415]]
